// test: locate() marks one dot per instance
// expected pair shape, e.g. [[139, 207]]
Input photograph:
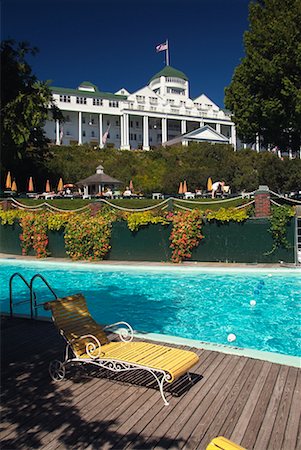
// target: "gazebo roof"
[[98, 178]]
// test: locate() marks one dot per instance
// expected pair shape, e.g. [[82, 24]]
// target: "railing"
[[33, 300], [17, 274], [32, 295]]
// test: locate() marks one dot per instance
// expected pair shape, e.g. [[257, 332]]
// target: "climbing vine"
[[279, 219], [186, 234]]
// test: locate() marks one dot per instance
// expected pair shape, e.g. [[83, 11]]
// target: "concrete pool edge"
[[277, 358]]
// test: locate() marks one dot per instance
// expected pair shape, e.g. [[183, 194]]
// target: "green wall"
[[245, 242]]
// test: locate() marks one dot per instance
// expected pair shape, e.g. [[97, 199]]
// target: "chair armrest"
[[90, 345], [125, 334]]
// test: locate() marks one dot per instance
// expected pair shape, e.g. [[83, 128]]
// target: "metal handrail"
[[33, 298], [32, 295]]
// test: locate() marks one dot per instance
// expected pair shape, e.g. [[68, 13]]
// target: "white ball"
[[231, 337], [253, 302]]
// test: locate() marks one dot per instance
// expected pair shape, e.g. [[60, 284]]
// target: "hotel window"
[[92, 133], [137, 124], [131, 124], [81, 100], [117, 136], [113, 104], [65, 98], [84, 133], [67, 133], [67, 118], [171, 102], [117, 123], [84, 119], [97, 101], [108, 122], [140, 98]]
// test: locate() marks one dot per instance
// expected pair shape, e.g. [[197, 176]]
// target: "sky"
[[111, 43]]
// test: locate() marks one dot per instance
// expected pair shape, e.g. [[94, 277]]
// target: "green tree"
[[25, 104], [265, 91]]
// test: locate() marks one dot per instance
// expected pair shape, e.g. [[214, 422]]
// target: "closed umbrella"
[[30, 185], [8, 181], [181, 188], [185, 187], [209, 184], [47, 189], [60, 185], [14, 186], [131, 186]]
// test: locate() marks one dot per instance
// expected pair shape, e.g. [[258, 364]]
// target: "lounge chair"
[[87, 342], [221, 443]]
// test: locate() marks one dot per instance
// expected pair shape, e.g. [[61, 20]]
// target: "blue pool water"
[[195, 303]]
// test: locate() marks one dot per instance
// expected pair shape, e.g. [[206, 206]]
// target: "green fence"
[[247, 242]]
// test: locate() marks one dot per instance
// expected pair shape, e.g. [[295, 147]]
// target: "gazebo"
[[97, 184]]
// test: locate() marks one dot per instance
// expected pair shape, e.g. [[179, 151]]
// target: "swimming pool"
[[205, 304]]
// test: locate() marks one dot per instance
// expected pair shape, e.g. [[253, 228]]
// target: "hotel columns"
[[100, 129], [183, 126], [145, 133], [80, 128], [124, 132], [233, 137], [57, 132], [218, 127], [164, 130]]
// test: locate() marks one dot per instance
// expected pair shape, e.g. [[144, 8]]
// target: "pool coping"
[[277, 358]]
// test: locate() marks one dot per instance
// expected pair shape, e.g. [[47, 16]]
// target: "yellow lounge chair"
[[221, 443], [88, 343]]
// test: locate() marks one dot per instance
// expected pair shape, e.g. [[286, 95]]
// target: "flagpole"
[[167, 53]]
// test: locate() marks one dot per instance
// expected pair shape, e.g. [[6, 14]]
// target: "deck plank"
[[255, 402]]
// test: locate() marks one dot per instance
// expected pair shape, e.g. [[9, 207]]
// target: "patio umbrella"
[[209, 184], [47, 189], [185, 187], [8, 181], [30, 185], [60, 185], [181, 188], [68, 185], [14, 186], [131, 186]]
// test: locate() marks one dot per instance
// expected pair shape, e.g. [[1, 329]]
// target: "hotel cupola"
[[170, 83]]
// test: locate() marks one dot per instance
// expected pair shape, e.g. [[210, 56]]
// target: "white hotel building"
[[153, 115]]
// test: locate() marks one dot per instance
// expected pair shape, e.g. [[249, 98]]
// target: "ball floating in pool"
[[253, 302], [231, 337], [270, 275]]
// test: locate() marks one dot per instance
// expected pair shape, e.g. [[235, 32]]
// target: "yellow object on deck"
[[221, 443], [90, 344]]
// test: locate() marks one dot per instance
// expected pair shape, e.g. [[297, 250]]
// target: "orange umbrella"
[[30, 185], [8, 181], [131, 186], [185, 187], [47, 186], [14, 186], [60, 185], [209, 184], [181, 188]]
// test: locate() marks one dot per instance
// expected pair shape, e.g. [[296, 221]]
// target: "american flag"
[[162, 47], [106, 134]]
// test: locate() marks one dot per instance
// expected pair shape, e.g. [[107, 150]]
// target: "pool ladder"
[[32, 295]]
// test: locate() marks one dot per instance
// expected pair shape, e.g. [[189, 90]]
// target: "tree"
[[25, 104], [265, 91]]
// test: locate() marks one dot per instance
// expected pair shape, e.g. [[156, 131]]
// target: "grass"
[[68, 204]]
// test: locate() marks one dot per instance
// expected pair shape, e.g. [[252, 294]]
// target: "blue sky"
[[112, 42]]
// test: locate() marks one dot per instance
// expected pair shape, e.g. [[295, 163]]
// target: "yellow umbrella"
[[60, 186], [209, 184], [14, 186], [30, 185], [8, 181], [185, 187], [181, 188], [47, 186]]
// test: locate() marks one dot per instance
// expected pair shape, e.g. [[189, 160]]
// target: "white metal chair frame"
[[57, 369]]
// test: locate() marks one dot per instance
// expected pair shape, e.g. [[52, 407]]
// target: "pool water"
[[195, 303]]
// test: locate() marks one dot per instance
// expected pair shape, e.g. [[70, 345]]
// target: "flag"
[[61, 134], [106, 134], [162, 47]]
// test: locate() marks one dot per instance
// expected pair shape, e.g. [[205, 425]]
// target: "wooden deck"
[[254, 403]]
